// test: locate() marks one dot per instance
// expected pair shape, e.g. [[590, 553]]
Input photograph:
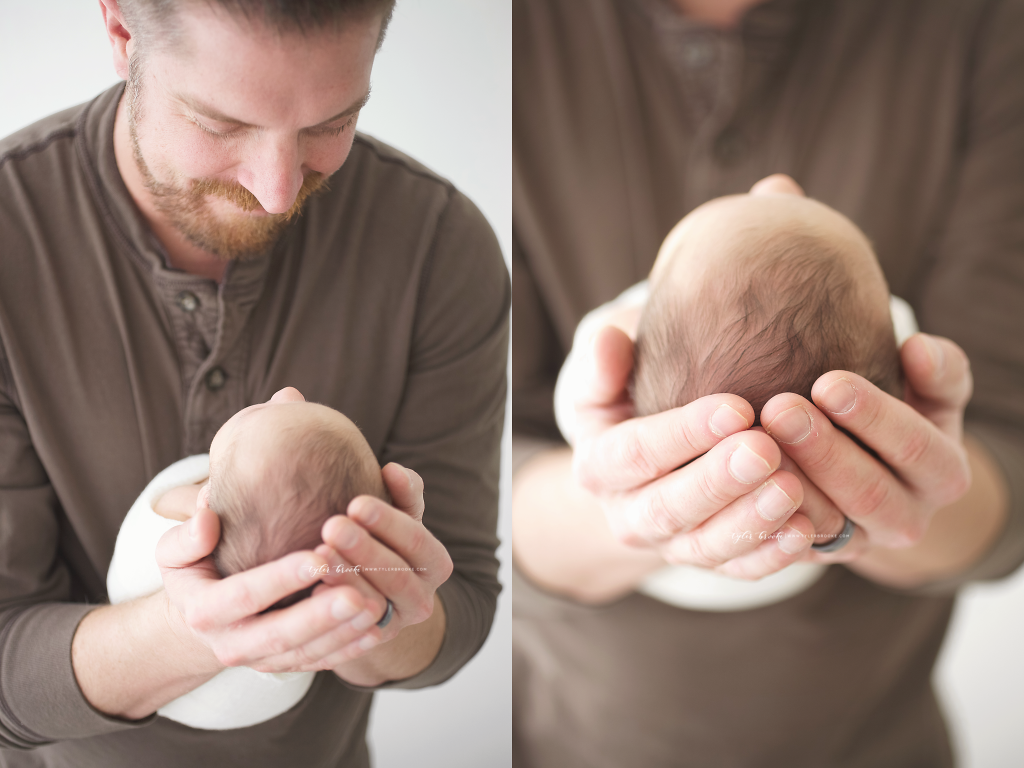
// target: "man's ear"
[[119, 36]]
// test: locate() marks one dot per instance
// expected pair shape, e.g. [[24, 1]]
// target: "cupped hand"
[[225, 615], [695, 483], [387, 548], [921, 464]]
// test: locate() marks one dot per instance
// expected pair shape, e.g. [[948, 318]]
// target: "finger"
[[786, 546], [226, 601], [413, 543], [859, 485], [186, 544], [406, 489], [687, 497], [852, 550], [287, 395], [610, 361], [341, 572], [275, 639], [638, 451], [931, 463], [777, 184], [384, 569], [816, 507], [939, 380], [740, 527]]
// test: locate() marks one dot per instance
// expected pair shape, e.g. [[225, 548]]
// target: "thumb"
[[186, 544], [939, 381], [610, 365]]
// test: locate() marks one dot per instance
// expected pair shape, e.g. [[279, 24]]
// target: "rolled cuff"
[[1007, 552], [469, 612], [40, 701], [525, 448]]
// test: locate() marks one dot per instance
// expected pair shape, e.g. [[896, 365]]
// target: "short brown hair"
[[145, 18], [788, 314]]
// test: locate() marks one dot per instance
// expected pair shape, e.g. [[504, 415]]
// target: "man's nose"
[[275, 174]]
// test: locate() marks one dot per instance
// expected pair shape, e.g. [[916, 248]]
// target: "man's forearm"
[[560, 538], [958, 537], [407, 654], [132, 658]]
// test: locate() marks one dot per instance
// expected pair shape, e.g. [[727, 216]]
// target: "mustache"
[[241, 197]]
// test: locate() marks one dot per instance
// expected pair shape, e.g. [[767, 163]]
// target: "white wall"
[[442, 92]]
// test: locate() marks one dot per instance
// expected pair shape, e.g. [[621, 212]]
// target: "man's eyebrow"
[[214, 114]]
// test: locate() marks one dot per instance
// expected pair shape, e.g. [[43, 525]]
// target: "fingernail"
[[839, 397], [348, 537], [727, 421], [746, 466], [368, 642], [193, 527], [772, 502], [790, 426], [936, 354], [342, 608], [409, 474], [363, 621], [791, 541], [308, 571], [367, 513]]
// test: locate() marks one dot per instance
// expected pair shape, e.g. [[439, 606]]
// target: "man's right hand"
[[220, 617], [695, 483]]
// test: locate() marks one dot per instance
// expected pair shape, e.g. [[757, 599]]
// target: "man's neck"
[[723, 14], [182, 254]]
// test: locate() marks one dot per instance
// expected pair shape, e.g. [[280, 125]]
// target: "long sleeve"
[[449, 425], [975, 290], [40, 700]]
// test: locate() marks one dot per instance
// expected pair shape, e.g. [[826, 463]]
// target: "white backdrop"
[[442, 92]]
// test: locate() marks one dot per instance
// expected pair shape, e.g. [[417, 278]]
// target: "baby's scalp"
[[756, 295], [278, 472]]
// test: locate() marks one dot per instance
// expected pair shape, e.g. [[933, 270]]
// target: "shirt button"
[[729, 147], [188, 301], [215, 379], [698, 53]]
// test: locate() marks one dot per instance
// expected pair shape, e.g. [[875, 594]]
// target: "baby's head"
[[760, 294], [278, 470]]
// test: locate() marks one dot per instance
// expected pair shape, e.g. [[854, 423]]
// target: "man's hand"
[[922, 465], [223, 614], [401, 560], [694, 483]]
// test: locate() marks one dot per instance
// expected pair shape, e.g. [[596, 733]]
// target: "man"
[[908, 118], [197, 291]]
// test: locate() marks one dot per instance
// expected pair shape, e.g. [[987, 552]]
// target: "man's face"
[[234, 128]]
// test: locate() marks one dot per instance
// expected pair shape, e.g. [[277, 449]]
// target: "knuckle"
[[873, 497], [229, 657], [709, 490], [277, 645], [655, 519], [635, 454], [702, 554], [197, 618], [915, 448]]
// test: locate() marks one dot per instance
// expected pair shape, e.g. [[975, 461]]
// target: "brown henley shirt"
[[907, 116], [387, 300]]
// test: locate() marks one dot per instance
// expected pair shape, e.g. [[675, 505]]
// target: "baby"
[[752, 295], [276, 472], [757, 295]]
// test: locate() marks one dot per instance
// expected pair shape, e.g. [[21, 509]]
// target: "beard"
[[231, 238]]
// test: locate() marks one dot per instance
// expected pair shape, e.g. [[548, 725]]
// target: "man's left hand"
[[921, 466]]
